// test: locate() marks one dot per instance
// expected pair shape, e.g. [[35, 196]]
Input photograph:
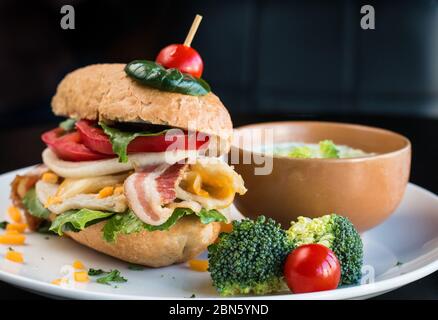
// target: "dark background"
[[266, 60], [260, 56]]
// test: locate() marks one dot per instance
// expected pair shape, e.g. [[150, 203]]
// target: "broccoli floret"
[[250, 258], [336, 233]]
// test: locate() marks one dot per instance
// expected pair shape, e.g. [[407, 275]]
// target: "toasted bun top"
[[105, 92]]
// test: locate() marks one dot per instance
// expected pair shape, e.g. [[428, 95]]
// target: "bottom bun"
[[183, 241]]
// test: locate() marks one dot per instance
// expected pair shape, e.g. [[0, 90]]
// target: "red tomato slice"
[[69, 146], [312, 267], [95, 139]]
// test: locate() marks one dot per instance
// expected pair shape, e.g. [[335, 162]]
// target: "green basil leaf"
[[127, 223], [77, 220], [34, 206], [156, 76], [121, 139], [68, 125]]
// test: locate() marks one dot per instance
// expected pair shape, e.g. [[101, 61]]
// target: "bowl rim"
[[405, 148]]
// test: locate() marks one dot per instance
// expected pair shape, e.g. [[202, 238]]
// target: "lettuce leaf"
[[120, 139], [34, 206], [77, 220], [303, 152], [68, 125], [128, 223], [123, 223]]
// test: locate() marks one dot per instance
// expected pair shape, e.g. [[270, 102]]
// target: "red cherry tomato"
[[312, 267], [69, 146], [95, 139], [181, 57]]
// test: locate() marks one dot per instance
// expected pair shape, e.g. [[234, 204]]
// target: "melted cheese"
[[210, 182]]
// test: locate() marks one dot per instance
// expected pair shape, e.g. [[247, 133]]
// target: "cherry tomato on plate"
[[94, 138], [181, 57], [69, 147], [310, 268]]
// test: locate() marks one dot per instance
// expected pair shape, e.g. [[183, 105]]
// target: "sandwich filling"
[[144, 191]]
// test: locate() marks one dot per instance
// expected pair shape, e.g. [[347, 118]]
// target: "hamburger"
[[127, 173]]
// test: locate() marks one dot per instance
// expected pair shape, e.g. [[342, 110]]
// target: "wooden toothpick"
[[193, 30]]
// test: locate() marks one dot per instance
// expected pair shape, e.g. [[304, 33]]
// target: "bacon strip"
[[150, 189]]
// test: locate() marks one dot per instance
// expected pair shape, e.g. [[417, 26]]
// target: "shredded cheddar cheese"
[[81, 276], [14, 214], [50, 177], [19, 227], [106, 192], [198, 265], [78, 265], [226, 227], [52, 200], [57, 282], [12, 238], [14, 256], [118, 190]]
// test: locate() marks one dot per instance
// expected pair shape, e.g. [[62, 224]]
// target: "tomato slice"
[[95, 138], [69, 146], [312, 267]]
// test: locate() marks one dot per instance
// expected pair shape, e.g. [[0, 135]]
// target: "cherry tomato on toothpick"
[[181, 57], [312, 267]]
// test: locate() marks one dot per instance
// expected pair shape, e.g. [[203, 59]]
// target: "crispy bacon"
[[150, 189], [19, 187]]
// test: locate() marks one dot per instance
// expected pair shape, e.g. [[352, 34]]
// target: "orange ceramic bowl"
[[366, 189]]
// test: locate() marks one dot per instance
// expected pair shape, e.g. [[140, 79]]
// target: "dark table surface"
[[22, 147]]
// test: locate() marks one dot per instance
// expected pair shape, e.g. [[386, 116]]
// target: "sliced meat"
[[114, 203], [150, 189]]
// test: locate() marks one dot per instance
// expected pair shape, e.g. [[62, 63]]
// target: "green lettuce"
[[128, 223], [34, 206], [303, 152], [68, 125], [120, 139], [123, 223], [77, 220]]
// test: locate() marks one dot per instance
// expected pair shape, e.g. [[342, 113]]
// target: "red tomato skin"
[[69, 147], [185, 59], [95, 139], [311, 268]]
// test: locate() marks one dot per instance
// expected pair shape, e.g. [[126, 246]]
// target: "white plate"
[[410, 236]]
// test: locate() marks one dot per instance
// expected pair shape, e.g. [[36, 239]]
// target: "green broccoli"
[[336, 233], [250, 258]]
